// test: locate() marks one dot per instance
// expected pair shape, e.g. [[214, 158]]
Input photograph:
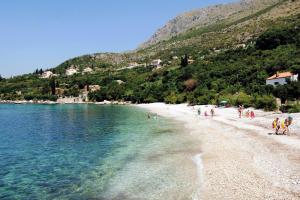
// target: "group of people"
[[248, 113], [282, 125], [212, 112]]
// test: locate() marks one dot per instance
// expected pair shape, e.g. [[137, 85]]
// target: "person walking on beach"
[[289, 121], [199, 111], [205, 114], [276, 125], [252, 115], [212, 112], [286, 126], [283, 126], [247, 114], [240, 111]]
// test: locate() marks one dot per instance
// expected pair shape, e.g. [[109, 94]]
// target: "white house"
[[243, 46], [47, 74], [120, 82], [281, 78], [87, 70], [94, 88], [132, 65], [156, 62], [71, 71]]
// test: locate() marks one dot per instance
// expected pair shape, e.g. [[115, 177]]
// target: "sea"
[[94, 152]]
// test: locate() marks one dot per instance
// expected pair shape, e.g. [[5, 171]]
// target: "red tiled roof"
[[281, 75]]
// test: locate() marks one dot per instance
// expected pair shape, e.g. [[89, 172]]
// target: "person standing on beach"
[[288, 123], [252, 115], [205, 114], [240, 111], [212, 112], [276, 125], [286, 127], [247, 114], [199, 111]]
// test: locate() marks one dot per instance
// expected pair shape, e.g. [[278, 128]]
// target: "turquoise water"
[[92, 152]]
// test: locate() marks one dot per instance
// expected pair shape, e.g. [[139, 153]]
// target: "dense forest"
[[237, 75]]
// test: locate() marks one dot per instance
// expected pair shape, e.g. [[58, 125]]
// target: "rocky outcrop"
[[207, 16]]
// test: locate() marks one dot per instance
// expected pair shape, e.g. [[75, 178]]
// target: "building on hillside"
[[19, 92], [242, 46], [87, 70], [191, 61], [132, 65], [46, 74], [94, 88], [281, 78], [120, 82], [71, 71], [156, 62], [59, 91], [143, 65]]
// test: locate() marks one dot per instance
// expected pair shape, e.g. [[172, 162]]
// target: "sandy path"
[[241, 161]]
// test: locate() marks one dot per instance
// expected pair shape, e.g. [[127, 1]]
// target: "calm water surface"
[[91, 152]]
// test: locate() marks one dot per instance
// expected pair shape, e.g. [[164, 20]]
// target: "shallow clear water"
[[92, 152]]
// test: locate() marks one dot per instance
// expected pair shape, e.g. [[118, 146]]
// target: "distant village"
[[277, 79]]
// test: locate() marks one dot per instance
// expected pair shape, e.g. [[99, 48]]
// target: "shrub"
[[174, 98], [294, 109], [190, 84], [241, 98], [265, 102], [290, 108], [203, 100]]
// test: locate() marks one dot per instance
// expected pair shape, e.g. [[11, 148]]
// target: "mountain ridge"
[[206, 16]]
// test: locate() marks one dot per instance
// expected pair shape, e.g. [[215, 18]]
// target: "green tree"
[[36, 71], [52, 85], [184, 60]]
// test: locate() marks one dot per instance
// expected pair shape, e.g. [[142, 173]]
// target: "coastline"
[[240, 159], [237, 158], [63, 102]]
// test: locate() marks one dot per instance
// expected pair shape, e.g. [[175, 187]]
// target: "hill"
[[226, 59], [204, 17]]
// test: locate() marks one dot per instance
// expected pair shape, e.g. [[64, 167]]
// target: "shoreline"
[[41, 102], [237, 158], [240, 159]]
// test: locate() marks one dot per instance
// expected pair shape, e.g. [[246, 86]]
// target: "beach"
[[239, 158]]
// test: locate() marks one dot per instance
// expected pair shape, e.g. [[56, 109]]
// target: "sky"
[[43, 34]]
